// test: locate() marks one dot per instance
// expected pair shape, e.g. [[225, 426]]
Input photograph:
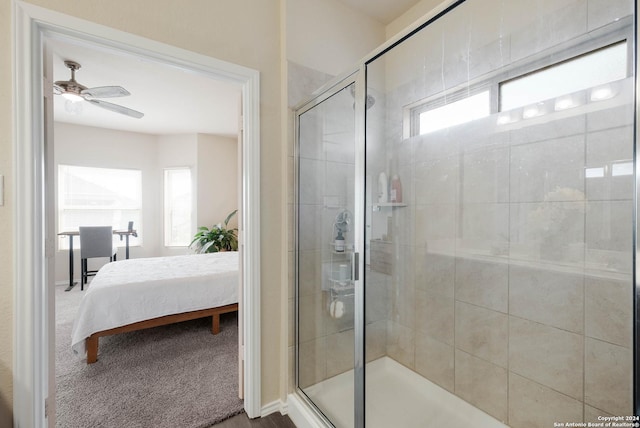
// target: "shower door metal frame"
[[355, 78], [636, 211]]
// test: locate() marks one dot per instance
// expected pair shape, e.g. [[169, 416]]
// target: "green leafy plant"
[[218, 238]]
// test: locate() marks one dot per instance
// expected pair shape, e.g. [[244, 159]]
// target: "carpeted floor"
[[173, 376]]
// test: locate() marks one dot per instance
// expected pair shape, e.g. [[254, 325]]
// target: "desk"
[[124, 233]]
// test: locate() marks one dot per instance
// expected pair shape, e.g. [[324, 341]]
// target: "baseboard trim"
[[274, 406], [301, 415]]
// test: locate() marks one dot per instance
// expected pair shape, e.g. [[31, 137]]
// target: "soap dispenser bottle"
[[339, 242]]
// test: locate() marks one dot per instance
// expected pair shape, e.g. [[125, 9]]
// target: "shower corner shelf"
[[347, 250], [376, 207]]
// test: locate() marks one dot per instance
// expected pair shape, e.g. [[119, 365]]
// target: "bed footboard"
[[92, 341]]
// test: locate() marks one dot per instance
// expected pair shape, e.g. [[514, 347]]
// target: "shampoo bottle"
[[396, 189]]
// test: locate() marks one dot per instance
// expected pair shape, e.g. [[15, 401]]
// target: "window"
[[590, 76], [591, 70], [177, 207], [90, 196], [458, 112]]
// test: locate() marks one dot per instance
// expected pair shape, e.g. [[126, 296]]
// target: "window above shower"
[[592, 73]]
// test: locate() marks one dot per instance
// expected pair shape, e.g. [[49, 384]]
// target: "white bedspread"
[[129, 291]]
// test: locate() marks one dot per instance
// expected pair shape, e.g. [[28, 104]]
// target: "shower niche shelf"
[[378, 206], [348, 249]]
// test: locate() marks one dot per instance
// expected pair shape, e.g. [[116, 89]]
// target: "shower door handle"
[[355, 266]]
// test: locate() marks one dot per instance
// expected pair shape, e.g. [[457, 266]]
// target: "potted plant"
[[218, 238]]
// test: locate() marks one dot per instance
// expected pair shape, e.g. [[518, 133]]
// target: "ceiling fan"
[[74, 91]]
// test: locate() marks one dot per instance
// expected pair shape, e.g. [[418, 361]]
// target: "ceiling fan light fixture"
[[72, 108], [73, 97]]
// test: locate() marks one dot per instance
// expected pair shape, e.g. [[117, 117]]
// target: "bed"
[[135, 294]]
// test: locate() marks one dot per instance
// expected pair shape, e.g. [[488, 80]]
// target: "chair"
[[95, 241]]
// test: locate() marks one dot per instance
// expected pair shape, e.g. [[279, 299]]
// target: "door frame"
[[32, 350]]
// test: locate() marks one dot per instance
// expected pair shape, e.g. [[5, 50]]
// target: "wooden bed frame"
[[214, 313]]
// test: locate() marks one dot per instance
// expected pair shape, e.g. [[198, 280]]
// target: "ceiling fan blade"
[[105, 92], [57, 89], [116, 108]]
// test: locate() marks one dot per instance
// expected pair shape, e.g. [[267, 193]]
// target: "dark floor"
[[274, 420]]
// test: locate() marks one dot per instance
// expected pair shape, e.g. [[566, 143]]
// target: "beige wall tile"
[[312, 363], [309, 272], [547, 355], [534, 174], [436, 181], [559, 128], [535, 405], [311, 228], [602, 12], [482, 332], [606, 148], [486, 176], [620, 116], [312, 315], [403, 226], [402, 303], [401, 344], [435, 316], [482, 283], [483, 229], [547, 296], [558, 21], [609, 310], [434, 360], [377, 302], [312, 179], [608, 377], [339, 353], [591, 414], [608, 235], [376, 340], [482, 384], [548, 231], [436, 226], [434, 272]]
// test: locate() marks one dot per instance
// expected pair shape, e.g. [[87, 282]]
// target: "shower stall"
[[466, 223]]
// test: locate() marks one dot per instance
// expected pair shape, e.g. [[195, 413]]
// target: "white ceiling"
[[383, 11], [173, 100]]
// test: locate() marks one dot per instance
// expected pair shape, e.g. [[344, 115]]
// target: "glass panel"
[[499, 250], [325, 335]]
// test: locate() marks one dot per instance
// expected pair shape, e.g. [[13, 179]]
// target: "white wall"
[[415, 13], [210, 158], [217, 179], [328, 36]]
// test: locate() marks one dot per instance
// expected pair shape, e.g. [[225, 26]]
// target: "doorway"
[[34, 342]]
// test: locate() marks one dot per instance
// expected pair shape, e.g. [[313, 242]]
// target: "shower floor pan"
[[397, 397]]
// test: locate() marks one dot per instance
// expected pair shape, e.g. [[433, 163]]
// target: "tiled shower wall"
[[509, 271], [510, 283]]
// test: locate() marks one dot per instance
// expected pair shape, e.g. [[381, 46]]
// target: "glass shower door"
[[500, 183], [325, 248]]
